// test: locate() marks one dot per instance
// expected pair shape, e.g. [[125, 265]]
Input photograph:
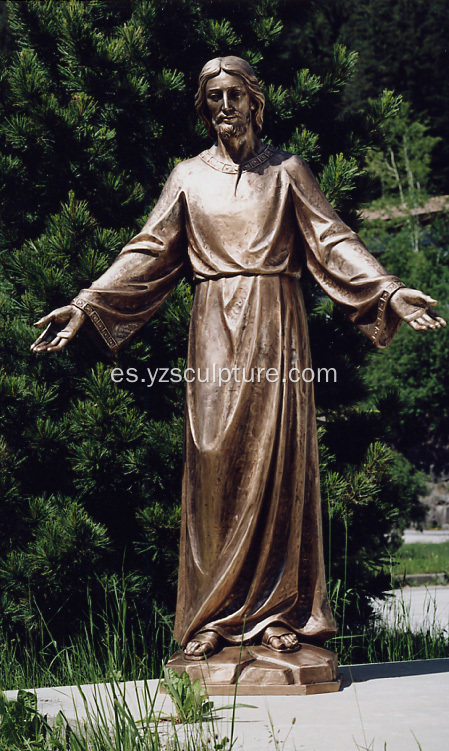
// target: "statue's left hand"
[[413, 306]]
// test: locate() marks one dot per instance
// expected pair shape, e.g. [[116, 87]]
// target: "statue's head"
[[234, 66]]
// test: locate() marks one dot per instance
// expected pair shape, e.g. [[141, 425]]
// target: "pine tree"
[[96, 108], [417, 371], [416, 249]]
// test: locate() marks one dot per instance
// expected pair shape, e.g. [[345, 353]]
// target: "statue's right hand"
[[62, 325]]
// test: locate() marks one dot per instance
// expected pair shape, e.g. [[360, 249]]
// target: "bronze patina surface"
[[258, 671], [245, 218]]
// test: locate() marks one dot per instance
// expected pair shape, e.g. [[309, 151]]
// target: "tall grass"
[[116, 645], [390, 644], [119, 646], [392, 637], [110, 650], [108, 723]]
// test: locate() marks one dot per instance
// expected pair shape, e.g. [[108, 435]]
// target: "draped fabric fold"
[[251, 540]]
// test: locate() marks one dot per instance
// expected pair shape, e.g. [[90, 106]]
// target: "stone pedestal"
[[260, 671]]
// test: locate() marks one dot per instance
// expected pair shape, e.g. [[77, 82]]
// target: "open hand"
[[413, 306], [62, 325]]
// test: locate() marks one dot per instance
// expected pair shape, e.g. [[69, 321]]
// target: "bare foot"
[[204, 644], [280, 639]]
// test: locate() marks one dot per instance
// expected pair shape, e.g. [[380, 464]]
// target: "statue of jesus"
[[246, 218]]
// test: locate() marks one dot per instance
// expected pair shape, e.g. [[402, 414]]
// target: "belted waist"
[[244, 273]]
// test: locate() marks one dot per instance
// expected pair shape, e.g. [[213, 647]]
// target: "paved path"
[[428, 535], [421, 607], [391, 704]]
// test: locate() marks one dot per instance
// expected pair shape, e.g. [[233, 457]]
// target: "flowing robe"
[[251, 540]]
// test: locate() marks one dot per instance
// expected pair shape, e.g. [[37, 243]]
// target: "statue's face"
[[229, 105]]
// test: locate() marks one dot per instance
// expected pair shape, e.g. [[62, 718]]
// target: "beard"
[[235, 129]]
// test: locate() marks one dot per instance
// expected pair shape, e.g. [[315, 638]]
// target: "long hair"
[[235, 66]]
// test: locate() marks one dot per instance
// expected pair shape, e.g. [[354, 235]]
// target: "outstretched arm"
[[374, 299], [126, 296], [413, 306]]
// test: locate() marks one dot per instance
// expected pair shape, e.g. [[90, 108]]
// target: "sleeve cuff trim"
[[97, 321], [381, 308]]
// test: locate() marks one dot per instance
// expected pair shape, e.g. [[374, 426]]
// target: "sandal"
[[277, 632], [209, 640]]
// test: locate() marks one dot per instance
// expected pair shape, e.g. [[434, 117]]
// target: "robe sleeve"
[[340, 262], [143, 274]]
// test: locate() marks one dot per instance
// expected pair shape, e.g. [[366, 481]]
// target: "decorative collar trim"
[[234, 169]]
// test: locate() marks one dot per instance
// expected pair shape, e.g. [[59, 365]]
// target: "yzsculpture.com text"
[[221, 375]]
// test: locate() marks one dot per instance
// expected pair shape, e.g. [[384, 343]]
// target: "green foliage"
[[190, 701], [111, 653], [417, 369], [117, 642], [368, 491], [95, 109], [401, 45], [403, 164], [338, 178], [22, 728], [422, 558], [400, 642], [63, 551]]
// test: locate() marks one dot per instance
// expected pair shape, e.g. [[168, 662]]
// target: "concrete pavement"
[[421, 607], [427, 535], [397, 704]]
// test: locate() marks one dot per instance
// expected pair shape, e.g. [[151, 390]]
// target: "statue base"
[[258, 671]]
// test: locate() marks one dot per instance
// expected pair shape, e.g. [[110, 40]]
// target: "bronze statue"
[[246, 217]]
